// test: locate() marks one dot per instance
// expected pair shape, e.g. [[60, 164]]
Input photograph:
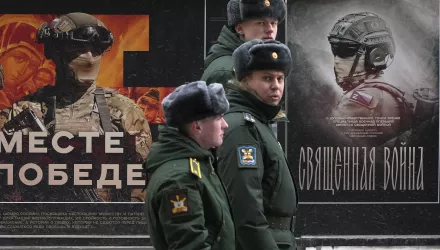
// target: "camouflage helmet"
[[73, 21], [76, 28], [367, 31]]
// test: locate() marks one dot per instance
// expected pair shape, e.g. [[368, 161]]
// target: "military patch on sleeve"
[[248, 117], [178, 202], [361, 98], [247, 156], [194, 166]]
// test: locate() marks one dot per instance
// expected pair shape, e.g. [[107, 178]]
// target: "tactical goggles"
[[344, 50], [91, 34], [97, 36]]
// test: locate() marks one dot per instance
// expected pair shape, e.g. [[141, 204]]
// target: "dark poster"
[[157, 47], [363, 108]]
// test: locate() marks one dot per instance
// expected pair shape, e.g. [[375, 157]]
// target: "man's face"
[[84, 60], [150, 107], [261, 28], [344, 57], [212, 130], [76, 49], [268, 85], [20, 64], [343, 67]]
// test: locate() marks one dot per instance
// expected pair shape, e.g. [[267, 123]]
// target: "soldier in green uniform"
[[187, 206], [247, 20], [76, 43], [251, 162]]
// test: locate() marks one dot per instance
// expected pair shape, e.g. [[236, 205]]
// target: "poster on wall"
[[88, 187], [363, 136], [27, 69], [42, 191]]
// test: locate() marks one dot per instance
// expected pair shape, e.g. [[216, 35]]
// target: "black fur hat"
[[241, 10], [194, 101], [261, 55]]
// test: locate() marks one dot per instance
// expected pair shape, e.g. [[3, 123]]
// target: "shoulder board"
[[194, 167], [248, 117]]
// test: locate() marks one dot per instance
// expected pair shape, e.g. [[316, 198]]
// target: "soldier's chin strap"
[[349, 81], [104, 111], [359, 53]]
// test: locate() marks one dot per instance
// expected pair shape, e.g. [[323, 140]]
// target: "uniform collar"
[[241, 100]]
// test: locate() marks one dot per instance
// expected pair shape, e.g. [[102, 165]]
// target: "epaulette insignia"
[[248, 117], [195, 167]]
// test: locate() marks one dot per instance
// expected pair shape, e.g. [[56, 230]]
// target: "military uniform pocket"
[[215, 227], [276, 185]]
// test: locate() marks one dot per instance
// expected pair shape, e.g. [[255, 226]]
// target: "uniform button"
[[219, 238], [224, 222]]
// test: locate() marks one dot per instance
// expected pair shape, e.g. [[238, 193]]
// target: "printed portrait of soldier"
[[150, 104], [356, 70], [363, 48], [75, 103]]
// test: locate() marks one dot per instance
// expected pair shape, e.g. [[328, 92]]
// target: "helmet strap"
[[359, 53]]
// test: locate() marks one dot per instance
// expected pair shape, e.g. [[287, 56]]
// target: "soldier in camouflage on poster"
[[76, 43], [363, 47]]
